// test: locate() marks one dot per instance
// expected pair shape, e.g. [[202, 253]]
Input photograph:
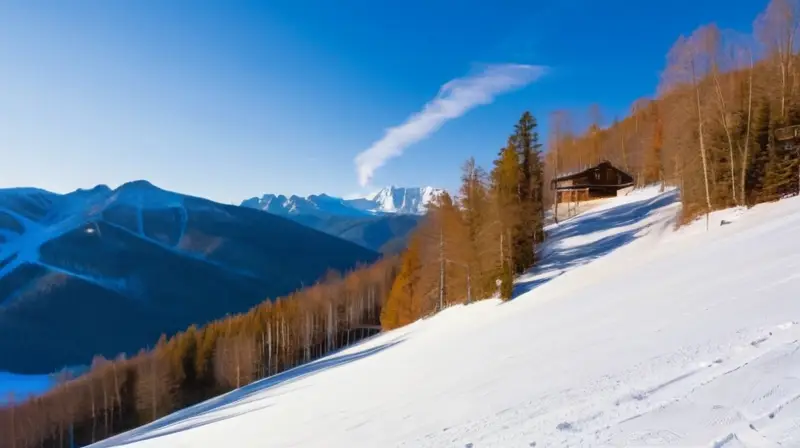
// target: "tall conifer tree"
[[531, 186]]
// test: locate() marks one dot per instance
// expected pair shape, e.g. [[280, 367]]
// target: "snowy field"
[[628, 334]]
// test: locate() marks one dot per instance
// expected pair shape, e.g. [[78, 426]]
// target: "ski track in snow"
[[76, 212], [628, 333]]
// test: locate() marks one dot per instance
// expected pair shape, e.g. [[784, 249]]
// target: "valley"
[[103, 272]]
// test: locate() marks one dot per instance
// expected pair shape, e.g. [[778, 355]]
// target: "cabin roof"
[[577, 174]]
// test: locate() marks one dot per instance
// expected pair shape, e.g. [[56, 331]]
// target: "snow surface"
[[628, 333], [82, 208]]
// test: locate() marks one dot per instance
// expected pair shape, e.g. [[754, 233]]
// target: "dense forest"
[[200, 363], [709, 131], [471, 247]]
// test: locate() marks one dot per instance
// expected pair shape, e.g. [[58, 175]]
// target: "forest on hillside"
[[710, 131], [711, 128]]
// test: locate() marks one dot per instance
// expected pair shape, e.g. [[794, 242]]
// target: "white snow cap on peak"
[[388, 200], [413, 201]]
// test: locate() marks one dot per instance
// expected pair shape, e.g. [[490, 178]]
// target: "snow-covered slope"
[[628, 333], [104, 271], [389, 200]]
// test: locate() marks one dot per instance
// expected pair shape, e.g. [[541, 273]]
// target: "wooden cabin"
[[600, 181]]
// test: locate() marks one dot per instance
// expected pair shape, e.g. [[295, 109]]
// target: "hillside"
[[386, 234], [107, 271], [628, 332]]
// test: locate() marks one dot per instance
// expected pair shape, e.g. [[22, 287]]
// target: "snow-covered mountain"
[[314, 205], [104, 271], [629, 333], [404, 201], [389, 200]]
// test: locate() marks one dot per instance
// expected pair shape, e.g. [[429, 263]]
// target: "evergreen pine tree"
[[531, 186], [759, 153]]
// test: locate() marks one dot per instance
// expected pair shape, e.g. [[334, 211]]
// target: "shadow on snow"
[[197, 416], [560, 260]]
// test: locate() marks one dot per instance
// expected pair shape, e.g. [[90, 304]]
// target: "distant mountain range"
[[105, 271], [381, 221], [389, 200]]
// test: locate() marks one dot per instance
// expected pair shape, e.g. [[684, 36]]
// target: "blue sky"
[[229, 100]]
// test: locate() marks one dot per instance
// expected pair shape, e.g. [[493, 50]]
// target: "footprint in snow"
[[565, 426], [760, 340]]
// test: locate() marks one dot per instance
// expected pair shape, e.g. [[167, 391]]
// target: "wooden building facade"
[[600, 181]]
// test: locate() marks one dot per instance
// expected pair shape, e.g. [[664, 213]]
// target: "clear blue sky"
[[229, 100]]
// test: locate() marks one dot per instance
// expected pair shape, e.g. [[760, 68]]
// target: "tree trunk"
[[117, 393], [90, 381], [441, 268], [724, 116], [269, 348], [702, 143], [153, 394], [105, 404], [12, 411], [747, 133], [624, 151], [783, 87]]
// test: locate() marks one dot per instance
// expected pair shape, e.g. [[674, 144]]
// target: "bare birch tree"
[[688, 62], [777, 29]]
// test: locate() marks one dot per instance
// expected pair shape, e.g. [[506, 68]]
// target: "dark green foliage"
[[758, 152], [772, 170], [531, 193]]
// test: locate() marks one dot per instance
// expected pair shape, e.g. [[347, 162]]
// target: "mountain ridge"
[[140, 261], [388, 200], [381, 221]]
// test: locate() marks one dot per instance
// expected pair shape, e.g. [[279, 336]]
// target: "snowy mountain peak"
[[411, 201], [139, 184], [389, 200]]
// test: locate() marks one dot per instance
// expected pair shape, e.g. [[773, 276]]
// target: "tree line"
[[201, 363], [465, 247], [710, 130], [470, 246]]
